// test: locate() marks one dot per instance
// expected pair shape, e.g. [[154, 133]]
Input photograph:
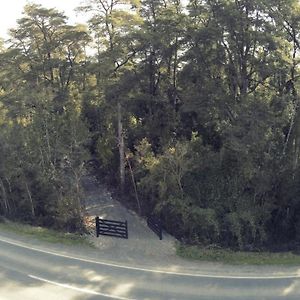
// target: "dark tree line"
[[191, 108]]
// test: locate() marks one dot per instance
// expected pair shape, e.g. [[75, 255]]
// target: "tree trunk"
[[135, 188], [30, 200], [4, 197], [121, 149]]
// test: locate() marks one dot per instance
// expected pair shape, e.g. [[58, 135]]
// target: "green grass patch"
[[45, 234], [237, 257]]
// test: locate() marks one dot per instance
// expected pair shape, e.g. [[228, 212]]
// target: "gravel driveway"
[[142, 243], [143, 247]]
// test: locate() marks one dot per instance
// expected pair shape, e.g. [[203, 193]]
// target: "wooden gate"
[[111, 228]]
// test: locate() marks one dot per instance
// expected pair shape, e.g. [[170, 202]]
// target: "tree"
[[110, 24], [44, 131]]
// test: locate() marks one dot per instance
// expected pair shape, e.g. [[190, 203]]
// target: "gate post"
[[97, 226], [126, 226], [160, 229]]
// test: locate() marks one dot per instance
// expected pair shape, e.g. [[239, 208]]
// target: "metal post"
[[160, 229], [126, 229], [97, 226]]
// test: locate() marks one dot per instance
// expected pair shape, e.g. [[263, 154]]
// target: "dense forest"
[[189, 108]]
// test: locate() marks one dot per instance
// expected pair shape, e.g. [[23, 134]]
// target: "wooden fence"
[[155, 225], [111, 228]]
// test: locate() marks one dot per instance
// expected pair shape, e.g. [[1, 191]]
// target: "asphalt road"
[[29, 273]]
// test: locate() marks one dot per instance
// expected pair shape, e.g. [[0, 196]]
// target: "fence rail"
[[111, 228], [155, 225]]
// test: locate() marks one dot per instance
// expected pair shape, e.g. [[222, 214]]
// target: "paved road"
[[31, 274]]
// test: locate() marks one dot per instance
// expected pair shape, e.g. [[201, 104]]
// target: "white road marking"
[[71, 287], [114, 265]]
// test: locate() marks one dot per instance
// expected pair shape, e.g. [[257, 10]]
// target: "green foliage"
[[44, 138], [209, 98], [43, 168], [45, 234], [230, 257]]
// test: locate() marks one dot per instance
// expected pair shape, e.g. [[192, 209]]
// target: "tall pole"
[[121, 148]]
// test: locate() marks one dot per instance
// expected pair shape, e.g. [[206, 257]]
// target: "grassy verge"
[[46, 235], [237, 257]]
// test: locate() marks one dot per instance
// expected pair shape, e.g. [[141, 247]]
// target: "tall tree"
[[111, 23]]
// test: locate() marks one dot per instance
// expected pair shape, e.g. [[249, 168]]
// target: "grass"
[[237, 257], [45, 234]]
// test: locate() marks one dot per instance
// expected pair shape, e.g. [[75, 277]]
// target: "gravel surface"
[[142, 244], [144, 249]]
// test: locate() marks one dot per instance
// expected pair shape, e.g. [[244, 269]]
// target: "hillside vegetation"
[[189, 108]]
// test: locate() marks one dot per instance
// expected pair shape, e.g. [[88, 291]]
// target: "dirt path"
[[142, 243]]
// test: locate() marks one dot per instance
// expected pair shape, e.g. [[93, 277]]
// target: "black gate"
[[155, 225], [111, 228]]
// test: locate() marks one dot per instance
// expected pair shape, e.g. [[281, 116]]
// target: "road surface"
[[30, 273]]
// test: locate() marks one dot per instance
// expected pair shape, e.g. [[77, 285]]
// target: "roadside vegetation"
[[45, 234], [231, 257], [189, 109]]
